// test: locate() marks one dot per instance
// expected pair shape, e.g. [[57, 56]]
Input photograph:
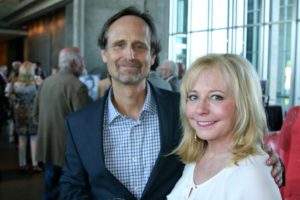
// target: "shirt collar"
[[149, 105]]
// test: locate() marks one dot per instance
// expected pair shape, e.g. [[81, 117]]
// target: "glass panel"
[[250, 19], [286, 9], [253, 12], [219, 41], [178, 48], [199, 15], [250, 4], [298, 11], [289, 12], [198, 45], [285, 66], [219, 13], [274, 10], [239, 41], [240, 13], [282, 11], [173, 16], [182, 16], [252, 45], [280, 63], [296, 71]]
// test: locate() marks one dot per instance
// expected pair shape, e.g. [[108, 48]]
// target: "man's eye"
[[119, 45], [140, 47], [192, 97]]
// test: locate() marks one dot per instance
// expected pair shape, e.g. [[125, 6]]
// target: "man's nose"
[[130, 53]]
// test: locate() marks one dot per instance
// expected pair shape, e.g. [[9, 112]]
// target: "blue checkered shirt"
[[131, 146]]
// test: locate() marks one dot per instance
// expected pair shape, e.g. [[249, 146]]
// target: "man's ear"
[[72, 64], [104, 55]]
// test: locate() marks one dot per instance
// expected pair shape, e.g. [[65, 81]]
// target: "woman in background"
[[224, 124], [23, 91]]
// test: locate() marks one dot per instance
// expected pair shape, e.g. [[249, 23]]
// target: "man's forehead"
[[125, 33], [129, 23], [130, 18]]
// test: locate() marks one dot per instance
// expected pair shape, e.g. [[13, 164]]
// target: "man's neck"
[[129, 99]]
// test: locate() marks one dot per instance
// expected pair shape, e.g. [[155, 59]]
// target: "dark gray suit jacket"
[[84, 173]]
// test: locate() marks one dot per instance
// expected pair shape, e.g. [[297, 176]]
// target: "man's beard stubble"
[[129, 79]]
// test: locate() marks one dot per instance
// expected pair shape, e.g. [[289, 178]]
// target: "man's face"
[[127, 53], [165, 71]]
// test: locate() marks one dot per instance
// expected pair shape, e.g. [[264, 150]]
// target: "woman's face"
[[211, 108]]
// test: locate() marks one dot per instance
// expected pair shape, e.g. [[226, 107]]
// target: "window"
[[261, 31], [178, 31]]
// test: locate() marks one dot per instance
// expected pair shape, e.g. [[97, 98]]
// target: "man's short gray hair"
[[172, 66], [66, 57]]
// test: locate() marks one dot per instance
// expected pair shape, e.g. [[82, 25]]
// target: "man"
[[58, 96], [169, 71], [120, 146], [156, 80]]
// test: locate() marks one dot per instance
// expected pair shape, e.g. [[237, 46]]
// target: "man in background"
[[169, 72], [57, 97], [156, 80]]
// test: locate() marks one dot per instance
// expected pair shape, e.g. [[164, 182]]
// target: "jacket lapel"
[[95, 140], [166, 115]]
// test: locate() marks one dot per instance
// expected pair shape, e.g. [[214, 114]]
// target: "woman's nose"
[[202, 107]]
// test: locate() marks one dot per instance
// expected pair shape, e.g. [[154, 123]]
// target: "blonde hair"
[[26, 72], [243, 83]]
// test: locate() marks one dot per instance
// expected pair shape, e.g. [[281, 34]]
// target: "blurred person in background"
[[39, 73], [54, 70], [14, 73], [169, 72], [22, 92], [58, 96], [157, 80], [13, 77]]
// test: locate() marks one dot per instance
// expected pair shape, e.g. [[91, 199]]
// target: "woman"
[[224, 124], [23, 91]]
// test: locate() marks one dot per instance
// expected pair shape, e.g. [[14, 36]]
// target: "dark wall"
[[11, 50], [45, 39]]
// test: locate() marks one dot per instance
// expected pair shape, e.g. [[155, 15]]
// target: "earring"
[[196, 139]]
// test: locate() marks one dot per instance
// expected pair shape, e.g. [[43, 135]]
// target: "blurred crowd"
[[18, 89]]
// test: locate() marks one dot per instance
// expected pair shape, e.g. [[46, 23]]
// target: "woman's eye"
[[217, 97], [192, 97]]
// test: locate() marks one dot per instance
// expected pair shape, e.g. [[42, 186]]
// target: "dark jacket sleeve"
[[73, 182]]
